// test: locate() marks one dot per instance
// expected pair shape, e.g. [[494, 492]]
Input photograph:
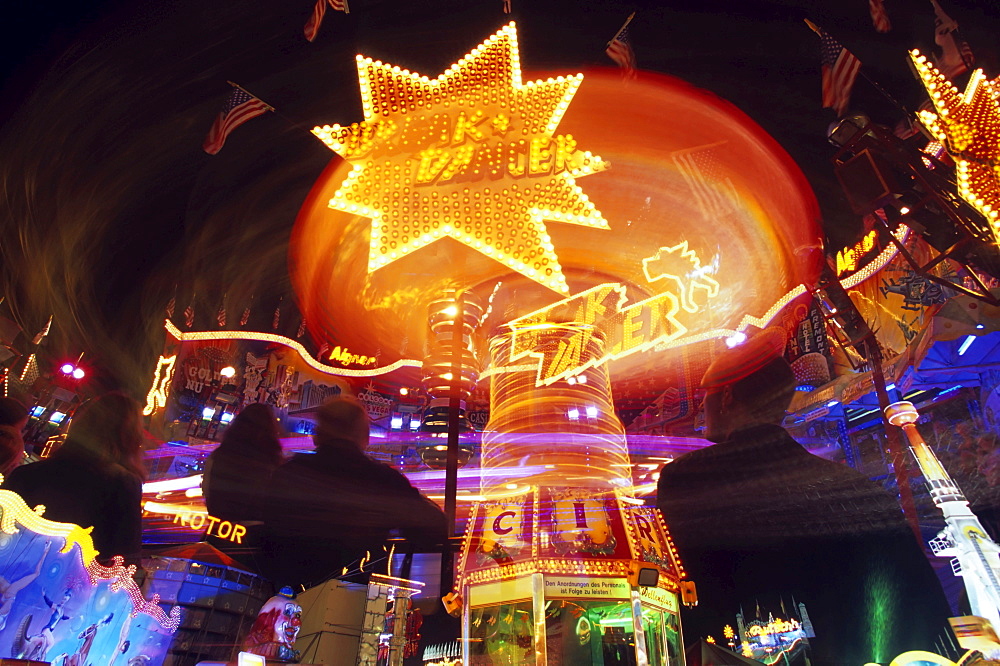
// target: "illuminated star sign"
[[472, 155], [968, 125]]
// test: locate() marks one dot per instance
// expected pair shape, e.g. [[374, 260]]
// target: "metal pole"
[[451, 466], [893, 443]]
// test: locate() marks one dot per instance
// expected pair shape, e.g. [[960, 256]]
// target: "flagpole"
[[622, 29], [885, 94]]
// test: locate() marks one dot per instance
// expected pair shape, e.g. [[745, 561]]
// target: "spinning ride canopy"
[[532, 190]]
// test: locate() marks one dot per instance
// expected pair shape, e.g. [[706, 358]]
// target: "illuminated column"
[[440, 363], [561, 564], [976, 555], [563, 434]]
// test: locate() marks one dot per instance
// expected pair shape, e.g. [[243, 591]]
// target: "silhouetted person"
[[756, 517], [331, 509], [237, 474], [13, 418], [242, 464], [95, 477]]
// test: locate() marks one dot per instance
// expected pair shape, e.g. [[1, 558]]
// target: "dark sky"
[[109, 201]]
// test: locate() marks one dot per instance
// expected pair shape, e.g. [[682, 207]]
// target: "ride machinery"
[[976, 555], [456, 192]]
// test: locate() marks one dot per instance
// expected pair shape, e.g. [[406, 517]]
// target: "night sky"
[[109, 201]]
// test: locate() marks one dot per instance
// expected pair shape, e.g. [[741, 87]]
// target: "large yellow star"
[[471, 155], [968, 125]]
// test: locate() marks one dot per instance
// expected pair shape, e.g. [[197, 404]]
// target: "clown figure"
[[277, 626]]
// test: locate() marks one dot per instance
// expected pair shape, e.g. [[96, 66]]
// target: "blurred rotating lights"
[[685, 166], [439, 366], [452, 314], [567, 431]]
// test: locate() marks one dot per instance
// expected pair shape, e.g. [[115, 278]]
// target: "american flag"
[[302, 328], [319, 11], [240, 107], [277, 315], [840, 69], [189, 315], [220, 316], [37, 340], [620, 50], [171, 304], [246, 313], [880, 18]]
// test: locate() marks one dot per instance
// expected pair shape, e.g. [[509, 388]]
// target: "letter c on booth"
[[498, 528]]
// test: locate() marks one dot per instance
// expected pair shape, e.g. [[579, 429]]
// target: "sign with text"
[[575, 587]]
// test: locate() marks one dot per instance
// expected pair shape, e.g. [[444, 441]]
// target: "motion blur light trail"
[[685, 166], [590, 449]]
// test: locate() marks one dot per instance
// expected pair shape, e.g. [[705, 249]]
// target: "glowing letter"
[[239, 531], [498, 528]]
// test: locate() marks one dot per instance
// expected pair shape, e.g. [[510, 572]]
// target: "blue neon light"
[[966, 344]]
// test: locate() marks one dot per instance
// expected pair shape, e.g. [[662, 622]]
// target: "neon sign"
[[775, 626], [485, 141], [164, 374], [669, 263], [288, 342], [347, 358], [199, 520], [627, 330], [849, 258]]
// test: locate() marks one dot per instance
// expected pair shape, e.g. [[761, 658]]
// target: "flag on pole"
[[240, 107], [220, 316], [880, 18], [319, 11], [840, 69], [37, 340], [956, 57], [246, 313], [620, 50], [189, 314], [302, 328], [171, 304], [277, 315]]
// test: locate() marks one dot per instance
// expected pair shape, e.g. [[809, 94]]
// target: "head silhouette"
[[13, 413], [748, 385], [342, 422], [253, 434], [108, 427]]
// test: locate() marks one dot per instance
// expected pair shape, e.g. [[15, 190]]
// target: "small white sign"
[[248, 659]]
